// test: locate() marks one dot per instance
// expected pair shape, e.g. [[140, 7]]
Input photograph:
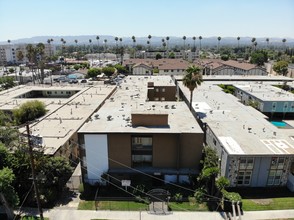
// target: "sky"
[[125, 18]]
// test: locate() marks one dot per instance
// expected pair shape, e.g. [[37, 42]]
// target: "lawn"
[[137, 206], [112, 205], [268, 204], [187, 206]]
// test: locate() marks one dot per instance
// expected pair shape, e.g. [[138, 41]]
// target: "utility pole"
[[34, 173]]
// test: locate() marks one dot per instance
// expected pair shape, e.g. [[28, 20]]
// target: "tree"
[[19, 55], [108, 71], [192, 79], [158, 56], [194, 39], [172, 55], [267, 42], [8, 196], [209, 170], [281, 67], [40, 51], [105, 45], [259, 57], [149, 37], [219, 39], [121, 69], [238, 39], [54, 172], [200, 38], [93, 72], [167, 42], [252, 41], [284, 43], [29, 111]]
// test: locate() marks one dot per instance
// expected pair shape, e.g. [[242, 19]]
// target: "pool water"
[[279, 123]]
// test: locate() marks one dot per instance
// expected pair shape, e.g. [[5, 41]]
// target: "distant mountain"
[[155, 40]]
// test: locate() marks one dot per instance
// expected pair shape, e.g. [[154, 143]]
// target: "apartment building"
[[230, 67], [252, 151], [8, 53], [142, 128]]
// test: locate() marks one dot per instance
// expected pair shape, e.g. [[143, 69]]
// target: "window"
[[214, 141], [163, 90], [142, 151], [244, 177], [276, 170], [49, 92], [245, 171], [162, 99]]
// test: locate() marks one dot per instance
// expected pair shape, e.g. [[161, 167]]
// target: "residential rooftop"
[[115, 116], [241, 129], [266, 92], [65, 115]]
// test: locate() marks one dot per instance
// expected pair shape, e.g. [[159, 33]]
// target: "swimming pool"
[[279, 124]]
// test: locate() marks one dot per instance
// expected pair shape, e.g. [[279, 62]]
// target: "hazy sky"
[[124, 18]]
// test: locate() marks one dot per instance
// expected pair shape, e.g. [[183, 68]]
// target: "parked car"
[[73, 81]]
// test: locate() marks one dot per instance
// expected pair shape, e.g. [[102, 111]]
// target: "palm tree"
[[39, 52], [267, 42], [284, 42], [252, 41], [105, 47], [164, 47], [200, 38], [116, 40], [184, 39], [97, 38], [121, 50], [91, 51], [9, 41], [194, 47], [76, 41], [149, 37], [49, 43], [219, 39], [255, 45], [167, 41], [238, 39], [134, 41], [192, 79]]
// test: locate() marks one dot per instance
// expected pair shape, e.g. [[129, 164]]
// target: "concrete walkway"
[[70, 214]]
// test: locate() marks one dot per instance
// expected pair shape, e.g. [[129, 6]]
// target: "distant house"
[[230, 67], [142, 69], [164, 66]]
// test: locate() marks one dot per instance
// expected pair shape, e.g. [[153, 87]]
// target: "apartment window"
[[142, 151], [245, 171], [162, 99], [156, 90], [276, 170], [163, 90], [244, 178], [214, 141]]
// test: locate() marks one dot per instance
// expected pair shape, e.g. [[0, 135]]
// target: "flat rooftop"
[[266, 92], [241, 129], [243, 78], [131, 98], [65, 115]]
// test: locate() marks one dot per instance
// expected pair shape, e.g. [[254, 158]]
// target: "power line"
[[24, 200], [146, 174], [130, 187]]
